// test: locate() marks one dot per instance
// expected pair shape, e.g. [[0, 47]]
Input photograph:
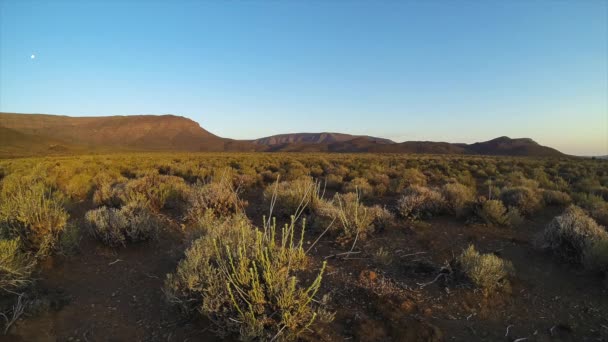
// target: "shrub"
[[209, 222], [573, 234], [418, 201], [458, 198], [525, 199], [30, 209], [351, 219], [333, 181], [107, 225], [115, 227], [220, 197], [293, 196], [554, 197], [596, 256], [161, 191], [493, 212], [360, 186], [247, 283], [486, 271], [414, 177], [16, 266]]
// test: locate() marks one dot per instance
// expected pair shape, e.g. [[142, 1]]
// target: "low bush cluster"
[[220, 197], [420, 202], [133, 222], [249, 282], [576, 237], [293, 196], [526, 200], [494, 213], [16, 266], [458, 198], [349, 218], [32, 210], [486, 271]]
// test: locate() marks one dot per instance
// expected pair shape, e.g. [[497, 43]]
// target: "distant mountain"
[[135, 132], [315, 138], [512, 147], [42, 134], [345, 143]]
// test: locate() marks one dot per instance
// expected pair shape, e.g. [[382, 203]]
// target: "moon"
[[33, 56]]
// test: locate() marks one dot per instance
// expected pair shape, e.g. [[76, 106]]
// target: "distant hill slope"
[[499, 146], [512, 147], [136, 132], [315, 138], [42, 134]]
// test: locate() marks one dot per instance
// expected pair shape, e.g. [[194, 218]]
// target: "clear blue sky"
[[457, 71]]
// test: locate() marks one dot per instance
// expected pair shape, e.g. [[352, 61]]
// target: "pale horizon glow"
[[454, 71]]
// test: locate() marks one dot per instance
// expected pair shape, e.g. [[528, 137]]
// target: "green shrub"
[[414, 177], [525, 199], [486, 271], [293, 196], [360, 186], [419, 201], [494, 213], [16, 266], [458, 198], [553, 197], [115, 227], [220, 197], [596, 256], [30, 209], [247, 282], [161, 191], [351, 219], [573, 234]]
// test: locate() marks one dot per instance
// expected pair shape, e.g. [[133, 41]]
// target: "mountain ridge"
[[39, 134]]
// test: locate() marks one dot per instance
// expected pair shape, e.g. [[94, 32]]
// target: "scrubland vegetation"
[[266, 241]]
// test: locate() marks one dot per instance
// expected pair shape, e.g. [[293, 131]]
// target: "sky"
[[455, 71]]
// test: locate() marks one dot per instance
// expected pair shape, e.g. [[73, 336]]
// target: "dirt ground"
[[104, 294]]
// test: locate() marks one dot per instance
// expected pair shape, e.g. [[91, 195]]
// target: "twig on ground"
[[114, 262], [412, 254], [340, 254], [17, 312], [508, 327]]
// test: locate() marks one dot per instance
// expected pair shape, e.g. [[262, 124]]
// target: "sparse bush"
[[596, 256], [573, 234], [514, 217], [293, 196], [360, 186], [69, 240], [333, 181], [115, 227], [414, 177], [419, 201], [107, 225], [554, 197], [30, 209], [525, 199], [161, 191], [351, 219], [16, 266], [246, 283], [486, 271], [458, 198], [493, 212], [220, 197]]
